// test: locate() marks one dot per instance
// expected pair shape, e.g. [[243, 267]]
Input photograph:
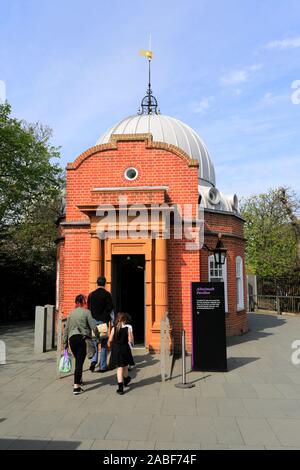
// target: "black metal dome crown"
[[149, 103]]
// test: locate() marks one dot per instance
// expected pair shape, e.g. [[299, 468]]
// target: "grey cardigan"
[[80, 322]]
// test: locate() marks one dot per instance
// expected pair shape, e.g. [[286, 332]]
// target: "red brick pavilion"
[[148, 160]]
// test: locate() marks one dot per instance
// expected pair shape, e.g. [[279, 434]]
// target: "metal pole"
[[58, 345], [278, 305], [183, 357], [162, 351], [184, 384]]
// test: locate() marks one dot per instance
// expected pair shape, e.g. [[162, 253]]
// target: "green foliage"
[[27, 174], [271, 240], [30, 191], [33, 239]]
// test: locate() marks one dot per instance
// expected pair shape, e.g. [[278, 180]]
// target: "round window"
[[214, 196], [131, 174]]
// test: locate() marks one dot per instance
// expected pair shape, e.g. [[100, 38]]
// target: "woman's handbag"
[[102, 330], [65, 363]]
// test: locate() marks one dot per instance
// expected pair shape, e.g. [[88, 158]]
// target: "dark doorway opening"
[[128, 291]]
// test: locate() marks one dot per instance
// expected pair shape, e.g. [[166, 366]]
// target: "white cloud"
[[237, 92], [239, 76], [202, 106], [289, 43], [270, 99], [254, 67]]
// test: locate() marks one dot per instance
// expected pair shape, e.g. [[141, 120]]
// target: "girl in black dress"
[[121, 356]]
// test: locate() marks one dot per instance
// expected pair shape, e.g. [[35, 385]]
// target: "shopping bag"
[[65, 363], [90, 348]]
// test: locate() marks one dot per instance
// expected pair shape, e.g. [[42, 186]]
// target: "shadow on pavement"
[[258, 323], [17, 326], [144, 382], [141, 361], [237, 362], [30, 444], [37, 360]]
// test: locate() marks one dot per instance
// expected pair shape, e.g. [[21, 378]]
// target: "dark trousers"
[[78, 348]]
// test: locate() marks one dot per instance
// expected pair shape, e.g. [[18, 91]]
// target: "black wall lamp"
[[219, 251]]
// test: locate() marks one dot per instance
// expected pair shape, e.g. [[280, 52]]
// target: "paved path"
[[255, 405]]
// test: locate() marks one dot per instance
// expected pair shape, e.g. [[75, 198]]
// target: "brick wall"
[[183, 268], [105, 168], [76, 266]]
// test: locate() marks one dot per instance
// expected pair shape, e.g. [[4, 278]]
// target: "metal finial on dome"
[[149, 102]]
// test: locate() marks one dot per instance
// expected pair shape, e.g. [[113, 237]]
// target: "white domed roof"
[[170, 131], [213, 199]]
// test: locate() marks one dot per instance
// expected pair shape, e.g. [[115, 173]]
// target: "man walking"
[[101, 305]]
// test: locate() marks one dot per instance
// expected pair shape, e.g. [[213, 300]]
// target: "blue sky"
[[225, 67]]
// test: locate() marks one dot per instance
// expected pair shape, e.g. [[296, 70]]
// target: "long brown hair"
[[121, 317]]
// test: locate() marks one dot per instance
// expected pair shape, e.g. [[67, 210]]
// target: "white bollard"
[[50, 327], [40, 330]]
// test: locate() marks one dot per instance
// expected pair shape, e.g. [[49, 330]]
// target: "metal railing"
[[275, 303]]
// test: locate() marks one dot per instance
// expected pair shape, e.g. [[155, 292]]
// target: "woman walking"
[[121, 356], [79, 327]]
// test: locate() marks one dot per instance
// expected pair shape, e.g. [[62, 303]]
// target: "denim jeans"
[[103, 352]]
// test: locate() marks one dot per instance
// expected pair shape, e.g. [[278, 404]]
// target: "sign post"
[[209, 329]]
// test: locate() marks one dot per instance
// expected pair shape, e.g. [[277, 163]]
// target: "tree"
[[292, 206], [271, 241], [30, 190], [27, 171]]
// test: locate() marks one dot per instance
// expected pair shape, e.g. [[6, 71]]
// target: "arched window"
[[218, 274], [239, 283]]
